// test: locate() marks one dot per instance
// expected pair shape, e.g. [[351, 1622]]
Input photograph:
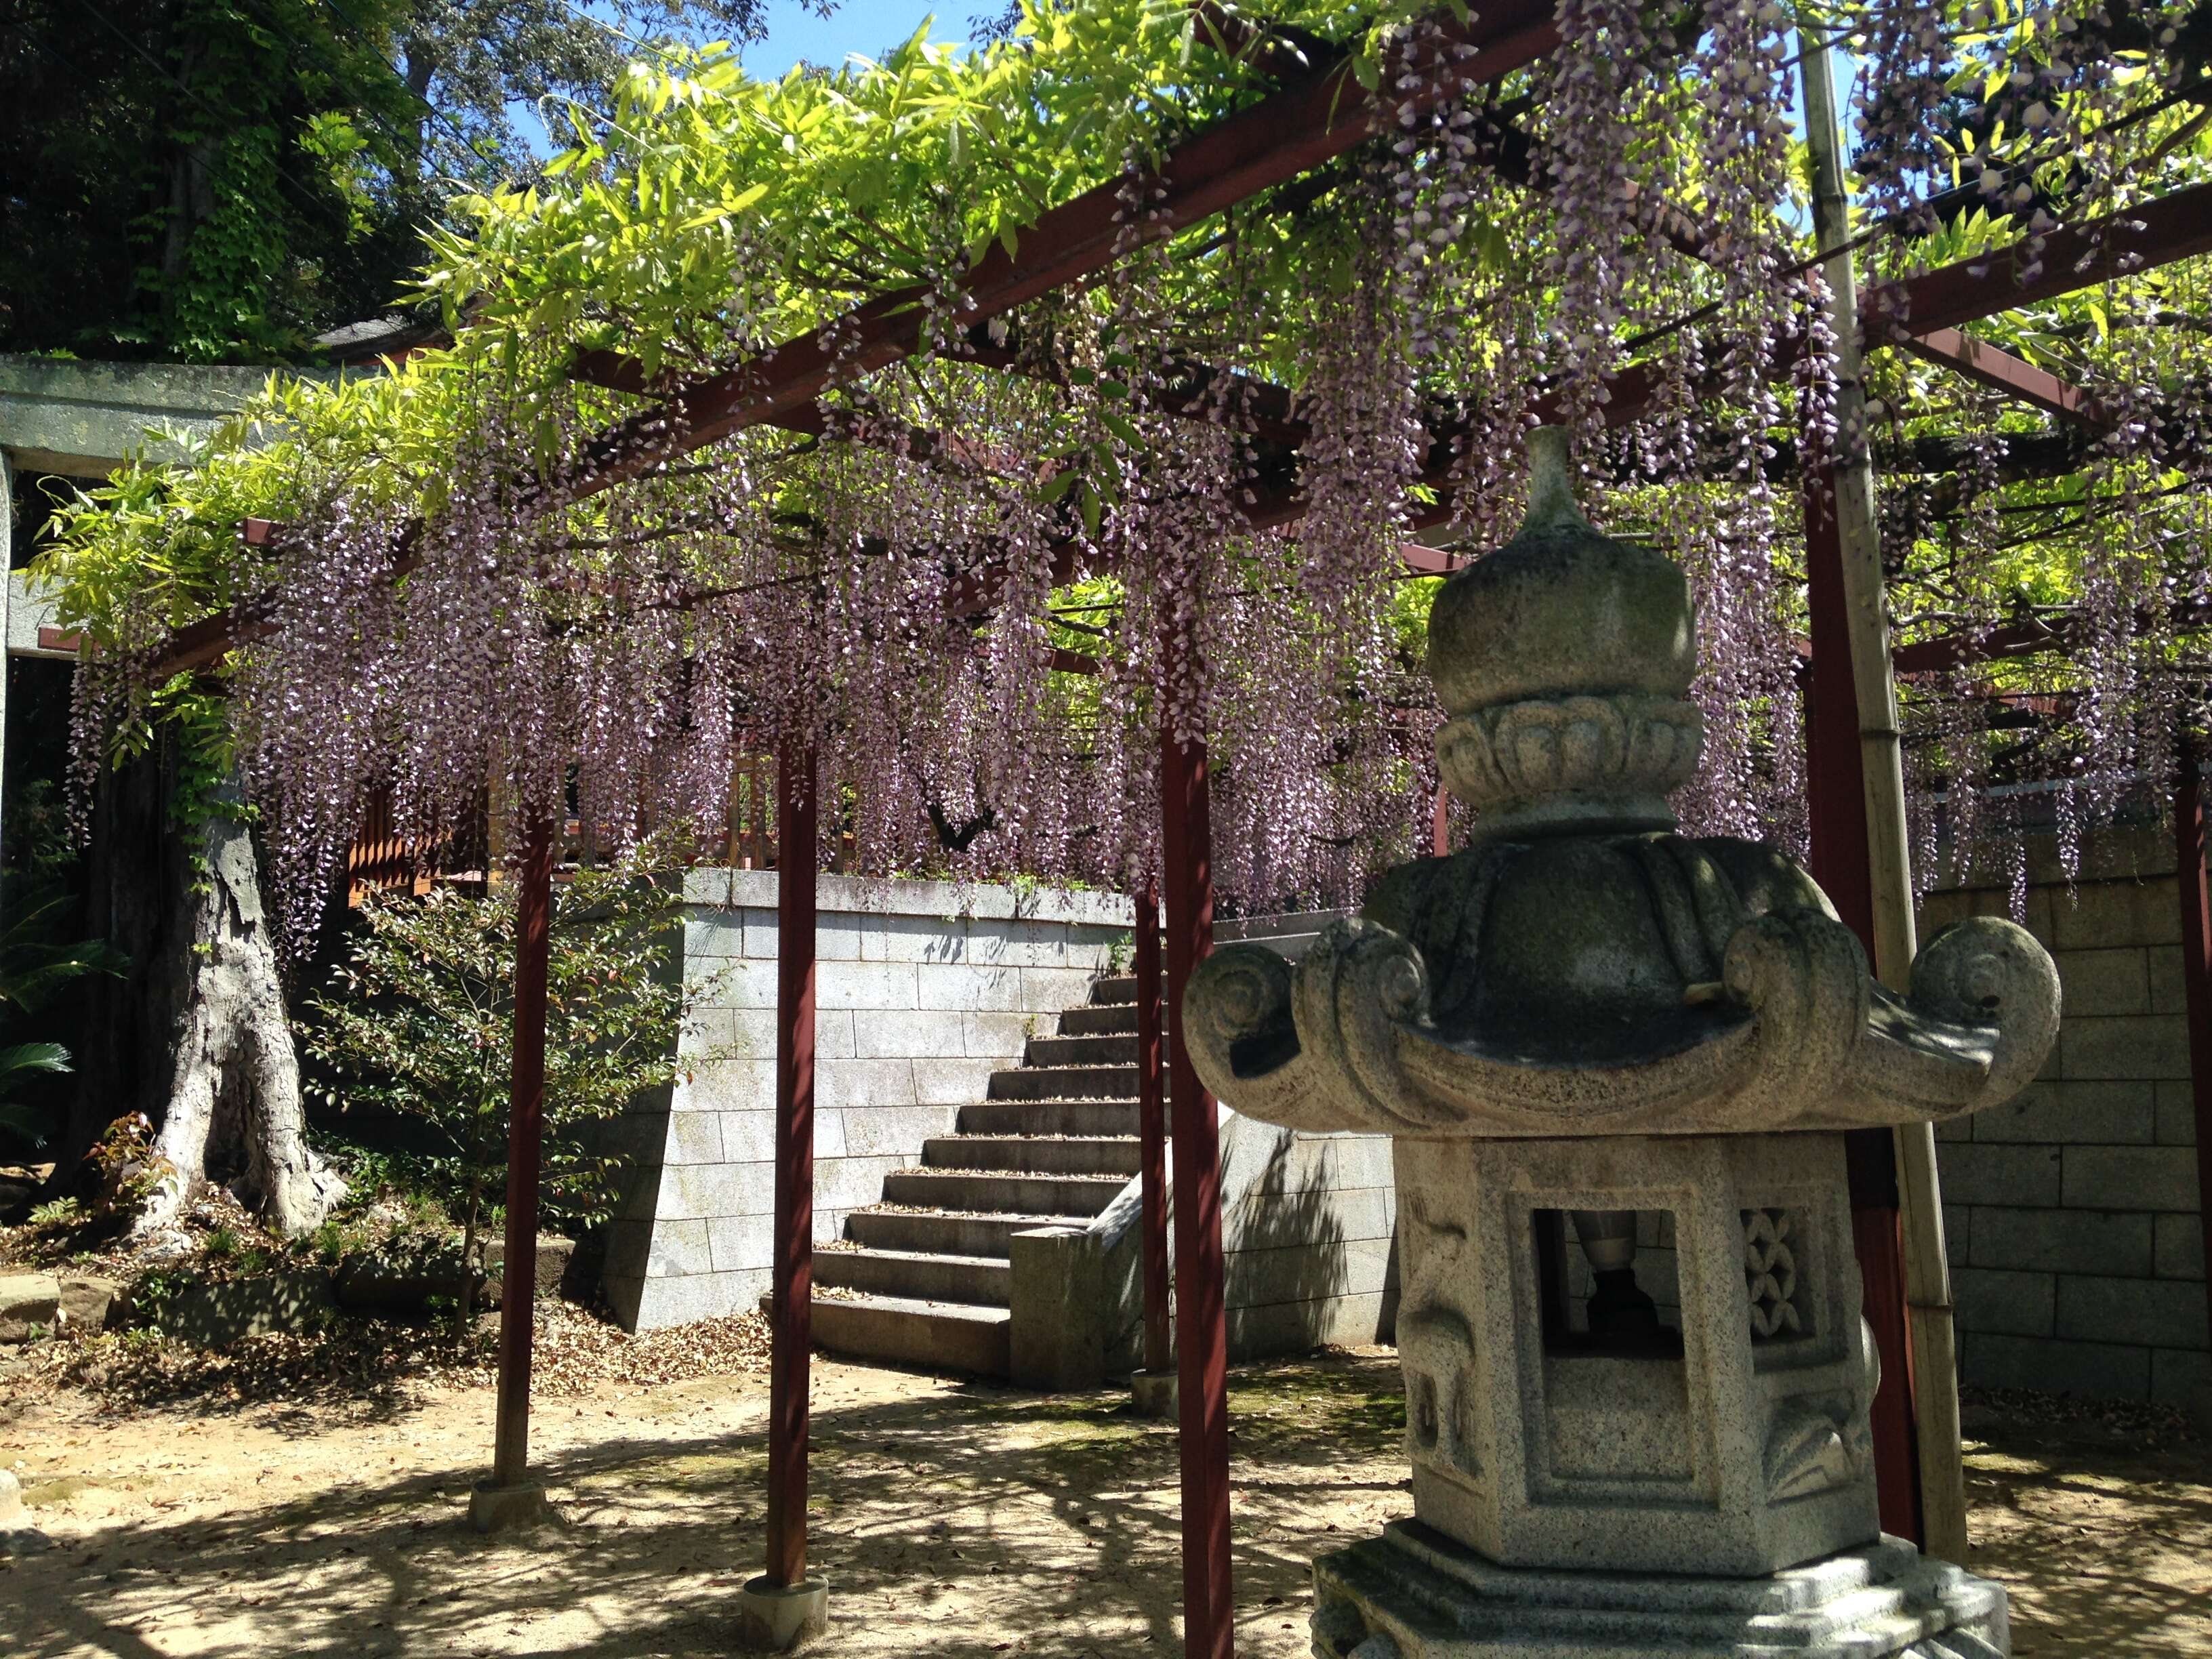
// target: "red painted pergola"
[[1320, 111]]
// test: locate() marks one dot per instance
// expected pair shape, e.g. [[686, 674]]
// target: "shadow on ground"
[[964, 1520], [2105, 1546], [951, 1519]]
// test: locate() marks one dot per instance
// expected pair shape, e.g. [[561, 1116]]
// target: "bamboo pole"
[[1151, 1127], [1927, 1269], [495, 841], [2189, 838], [1835, 797]]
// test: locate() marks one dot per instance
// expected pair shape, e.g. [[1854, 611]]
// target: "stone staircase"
[[923, 1277]]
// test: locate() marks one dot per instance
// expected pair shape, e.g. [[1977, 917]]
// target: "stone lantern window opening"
[[1613, 1290]]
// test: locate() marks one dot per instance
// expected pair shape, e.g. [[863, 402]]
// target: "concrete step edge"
[[939, 1172], [975, 1313], [994, 1136], [885, 1253], [1010, 1217]]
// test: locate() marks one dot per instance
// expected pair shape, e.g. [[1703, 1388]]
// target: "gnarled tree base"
[[197, 1039], [235, 1107]]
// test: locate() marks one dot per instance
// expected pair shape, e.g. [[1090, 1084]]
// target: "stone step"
[[935, 1335], [1056, 1143], [1050, 1117], [1102, 1019], [1616, 1613], [942, 1232], [1035, 1154], [1066, 1083], [1078, 1195], [1876, 1620], [1113, 1050], [983, 1281]]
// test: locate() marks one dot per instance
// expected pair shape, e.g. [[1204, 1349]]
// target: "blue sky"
[[862, 26], [796, 34]]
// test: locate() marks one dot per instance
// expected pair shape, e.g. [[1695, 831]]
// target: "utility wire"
[[468, 141], [342, 224], [661, 52], [343, 71]]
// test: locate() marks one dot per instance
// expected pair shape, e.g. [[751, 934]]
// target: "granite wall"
[[923, 989], [1308, 1252], [1309, 1221], [2073, 1213]]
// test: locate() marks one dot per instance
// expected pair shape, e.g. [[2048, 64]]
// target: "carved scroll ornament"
[[1795, 1036]]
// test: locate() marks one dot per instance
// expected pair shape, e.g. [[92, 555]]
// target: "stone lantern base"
[[1413, 1593]]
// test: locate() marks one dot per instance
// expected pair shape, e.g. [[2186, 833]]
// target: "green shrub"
[[336, 1239], [420, 1025], [61, 1214], [35, 963]]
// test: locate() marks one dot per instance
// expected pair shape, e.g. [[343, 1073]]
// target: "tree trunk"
[[198, 1039], [192, 201], [418, 64]]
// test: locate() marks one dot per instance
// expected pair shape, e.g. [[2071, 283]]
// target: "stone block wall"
[[1308, 1222], [1308, 1228], [922, 990], [2072, 1213]]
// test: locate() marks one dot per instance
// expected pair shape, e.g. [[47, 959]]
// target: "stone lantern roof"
[[1580, 968]]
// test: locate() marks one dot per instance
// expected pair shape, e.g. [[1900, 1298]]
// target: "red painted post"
[[525, 1127], [1151, 1129], [1202, 1321], [792, 1303], [2196, 960], [1440, 823], [1835, 792]]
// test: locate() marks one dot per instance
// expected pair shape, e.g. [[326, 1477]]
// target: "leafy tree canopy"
[[223, 179], [1430, 283]]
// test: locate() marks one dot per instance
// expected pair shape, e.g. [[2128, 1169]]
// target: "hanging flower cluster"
[[991, 555]]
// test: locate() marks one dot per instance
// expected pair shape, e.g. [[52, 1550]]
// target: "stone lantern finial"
[[1565, 661], [1551, 502]]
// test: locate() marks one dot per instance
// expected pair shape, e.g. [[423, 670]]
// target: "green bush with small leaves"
[[419, 1024]]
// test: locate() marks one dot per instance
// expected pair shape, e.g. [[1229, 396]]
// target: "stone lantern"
[[1617, 1064]]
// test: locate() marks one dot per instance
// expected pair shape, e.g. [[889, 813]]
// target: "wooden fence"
[[381, 861]]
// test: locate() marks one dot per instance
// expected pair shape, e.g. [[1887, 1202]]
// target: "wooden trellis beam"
[[2175, 227], [1919, 312], [1275, 140], [2031, 636], [2124, 244], [1994, 367], [1308, 123], [2127, 243]]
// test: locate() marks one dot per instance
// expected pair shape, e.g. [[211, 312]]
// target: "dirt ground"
[[951, 1518]]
